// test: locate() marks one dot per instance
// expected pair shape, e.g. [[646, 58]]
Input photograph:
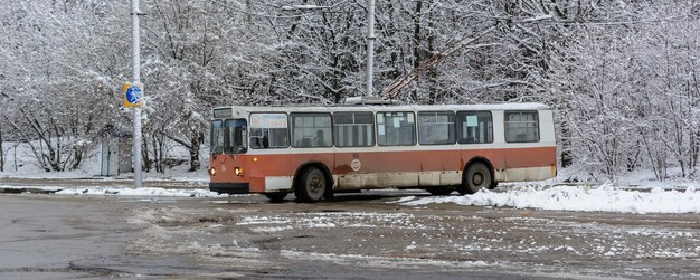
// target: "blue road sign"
[[133, 94]]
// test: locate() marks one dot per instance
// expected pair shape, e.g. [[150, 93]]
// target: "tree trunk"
[[416, 41], [147, 162], [694, 150], [565, 140], [157, 151], [161, 157], [2, 155], [194, 151], [79, 154], [433, 89]]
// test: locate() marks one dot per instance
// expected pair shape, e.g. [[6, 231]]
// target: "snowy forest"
[[621, 74]]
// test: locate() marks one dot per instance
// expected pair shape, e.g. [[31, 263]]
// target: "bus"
[[314, 152]]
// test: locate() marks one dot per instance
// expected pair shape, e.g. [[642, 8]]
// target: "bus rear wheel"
[[312, 185], [477, 177], [276, 197]]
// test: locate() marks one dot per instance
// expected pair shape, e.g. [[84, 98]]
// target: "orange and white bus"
[[316, 151]]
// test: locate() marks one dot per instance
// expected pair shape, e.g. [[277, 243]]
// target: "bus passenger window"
[[436, 128], [396, 129], [311, 130], [353, 129], [474, 127], [521, 127], [268, 131]]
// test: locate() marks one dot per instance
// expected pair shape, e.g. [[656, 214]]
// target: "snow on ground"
[[124, 191], [20, 162], [177, 173], [146, 191], [605, 198]]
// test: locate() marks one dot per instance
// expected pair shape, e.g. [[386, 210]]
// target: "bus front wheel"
[[312, 185], [477, 177]]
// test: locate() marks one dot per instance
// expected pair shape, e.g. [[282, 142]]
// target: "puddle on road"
[[104, 272], [136, 267]]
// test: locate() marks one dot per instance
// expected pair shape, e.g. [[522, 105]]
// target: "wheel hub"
[[315, 184], [477, 179]]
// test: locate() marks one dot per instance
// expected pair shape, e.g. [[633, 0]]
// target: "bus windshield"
[[229, 136]]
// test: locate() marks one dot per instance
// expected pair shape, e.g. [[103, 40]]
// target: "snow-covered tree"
[[621, 74]]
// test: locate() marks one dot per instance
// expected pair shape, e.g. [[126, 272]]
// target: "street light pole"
[[136, 76], [370, 44]]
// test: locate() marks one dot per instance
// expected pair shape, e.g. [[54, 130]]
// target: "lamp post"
[[136, 77], [370, 44]]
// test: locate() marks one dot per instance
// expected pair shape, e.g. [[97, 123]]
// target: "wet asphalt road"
[[360, 236]]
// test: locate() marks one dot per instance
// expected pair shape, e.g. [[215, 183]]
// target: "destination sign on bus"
[[268, 121]]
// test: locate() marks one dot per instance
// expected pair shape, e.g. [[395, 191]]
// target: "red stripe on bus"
[[377, 162]]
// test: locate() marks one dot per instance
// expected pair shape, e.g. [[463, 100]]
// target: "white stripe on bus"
[[414, 179]]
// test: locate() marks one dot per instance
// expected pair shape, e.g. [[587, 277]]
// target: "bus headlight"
[[238, 171], [212, 171]]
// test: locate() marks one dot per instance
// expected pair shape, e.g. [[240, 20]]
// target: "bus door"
[[268, 166], [354, 150], [436, 136], [524, 156], [475, 135], [398, 157]]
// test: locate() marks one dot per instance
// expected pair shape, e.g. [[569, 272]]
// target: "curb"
[[21, 190]]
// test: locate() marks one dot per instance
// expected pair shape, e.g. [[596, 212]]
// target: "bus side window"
[[396, 128], [311, 130], [268, 131], [436, 128], [521, 127], [353, 129], [474, 127]]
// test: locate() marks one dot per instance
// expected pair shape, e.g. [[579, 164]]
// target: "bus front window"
[[217, 137], [229, 137], [236, 136]]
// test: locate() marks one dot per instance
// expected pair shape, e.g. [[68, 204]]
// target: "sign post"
[[134, 92]]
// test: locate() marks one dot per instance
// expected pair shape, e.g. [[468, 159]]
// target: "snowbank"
[[127, 191], [578, 198]]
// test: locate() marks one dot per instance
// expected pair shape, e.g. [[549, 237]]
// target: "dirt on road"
[[369, 232], [359, 236]]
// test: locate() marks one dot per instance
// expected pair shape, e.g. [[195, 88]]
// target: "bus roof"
[[476, 107]]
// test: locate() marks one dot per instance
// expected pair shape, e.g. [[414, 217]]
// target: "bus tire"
[[276, 197], [312, 185], [440, 190], [476, 177]]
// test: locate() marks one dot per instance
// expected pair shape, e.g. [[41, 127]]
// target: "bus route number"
[[268, 121]]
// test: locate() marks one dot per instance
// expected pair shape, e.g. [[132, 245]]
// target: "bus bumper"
[[229, 188]]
